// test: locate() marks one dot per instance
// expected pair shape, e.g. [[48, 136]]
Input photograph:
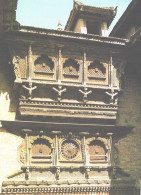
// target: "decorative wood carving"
[[85, 94], [33, 138], [71, 70], [73, 189], [97, 151], [59, 92], [22, 152], [96, 70], [30, 89], [57, 173], [16, 60], [44, 67], [70, 150], [87, 173], [41, 151], [112, 95]]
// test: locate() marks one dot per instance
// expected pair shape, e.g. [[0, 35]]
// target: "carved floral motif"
[[17, 72]]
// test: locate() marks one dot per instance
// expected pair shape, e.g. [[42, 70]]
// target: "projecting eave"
[[89, 13], [66, 35], [61, 126]]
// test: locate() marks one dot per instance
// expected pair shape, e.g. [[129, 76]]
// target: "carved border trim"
[[45, 103], [56, 189]]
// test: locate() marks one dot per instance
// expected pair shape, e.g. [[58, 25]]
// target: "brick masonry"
[[129, 147]]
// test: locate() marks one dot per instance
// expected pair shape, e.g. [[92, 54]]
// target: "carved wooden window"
[[41, 151], [44, 66], [71, 70], [96, 70], [97, 151]]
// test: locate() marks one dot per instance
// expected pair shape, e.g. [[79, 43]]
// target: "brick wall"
[[129, 147]]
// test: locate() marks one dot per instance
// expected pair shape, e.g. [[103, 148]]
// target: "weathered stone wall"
[[8, 154], [129, 147]]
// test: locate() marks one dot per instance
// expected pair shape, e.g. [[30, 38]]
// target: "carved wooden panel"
[[70, 150], [97, 152], [44, 67], [40, 151], [22, 152], [16, 66], [97, 72], [71, 70]]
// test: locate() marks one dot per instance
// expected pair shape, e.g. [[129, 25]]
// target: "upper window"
[[97, 151], [71, 70], [44, 66], [41, 151]]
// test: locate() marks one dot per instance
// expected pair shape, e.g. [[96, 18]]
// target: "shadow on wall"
[[126, 151], [7, 80]]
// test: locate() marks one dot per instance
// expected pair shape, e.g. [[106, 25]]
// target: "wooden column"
[[111, 72], [59, 68], [56, 150], [104, 29], [85, 152], [27, 158], [84, 71], [29, 63]]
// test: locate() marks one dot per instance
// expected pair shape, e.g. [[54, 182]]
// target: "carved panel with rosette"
[[70, 150]]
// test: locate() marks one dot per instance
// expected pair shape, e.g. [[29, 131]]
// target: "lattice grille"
[[43, 68], [71, 68], [44, 64], [22, 63], [96, 70]]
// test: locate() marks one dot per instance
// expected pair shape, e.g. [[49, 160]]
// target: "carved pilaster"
[[29, 63], [59, 66], [84, 80], [84, 151], [56, 150]]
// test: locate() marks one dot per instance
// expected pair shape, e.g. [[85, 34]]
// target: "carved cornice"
[[41, 187], [68, 105], [24, 30], [66, 190], [44, 108]]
